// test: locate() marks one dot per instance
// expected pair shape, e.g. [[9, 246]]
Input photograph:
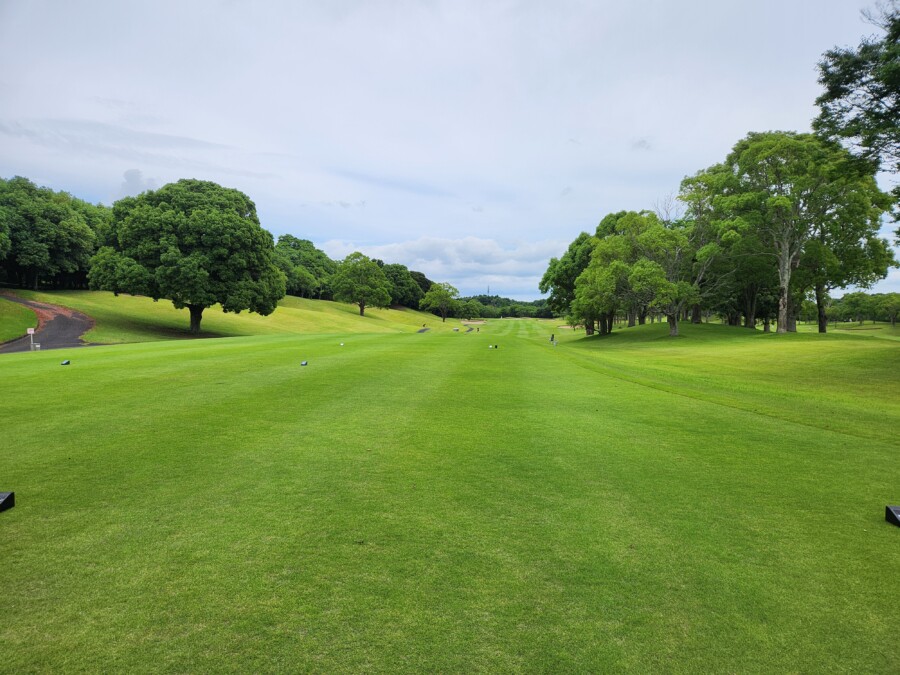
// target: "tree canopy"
[[404, 288], [308, 269], [861, 99], [360, 280], [440, 298], [195, 243], [46, 237]]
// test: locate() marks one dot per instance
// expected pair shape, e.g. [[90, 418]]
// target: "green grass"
[[877, 329], [127, 318], [419, 502], [15, 319]]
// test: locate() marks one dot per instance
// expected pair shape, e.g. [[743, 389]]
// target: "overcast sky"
[[471, 141]]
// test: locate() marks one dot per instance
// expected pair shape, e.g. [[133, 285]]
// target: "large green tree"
[[46, 236], [787, 187], [195, 243], [360, 280], [441, 298], [562, 273], [860, 103]]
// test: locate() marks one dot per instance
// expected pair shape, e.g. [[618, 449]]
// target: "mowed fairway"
[[421, 503]]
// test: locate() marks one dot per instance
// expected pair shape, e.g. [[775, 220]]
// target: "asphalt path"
[[58, 327]]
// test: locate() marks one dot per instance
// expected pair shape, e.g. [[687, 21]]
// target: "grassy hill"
[[419, 502], [127, 318], [14, 320]]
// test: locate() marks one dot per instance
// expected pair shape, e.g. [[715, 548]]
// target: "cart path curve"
[[58, 327]]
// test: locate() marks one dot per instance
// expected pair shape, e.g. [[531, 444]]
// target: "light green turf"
[[876, 329], [421, 503], [127, 318], [15, 319]]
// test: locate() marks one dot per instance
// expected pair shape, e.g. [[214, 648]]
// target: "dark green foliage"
[[559, 279], [423, 281], [194, 243], [405, 290], [46, 237], [360, 280], [861, 101]]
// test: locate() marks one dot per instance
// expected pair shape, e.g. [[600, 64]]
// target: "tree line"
[[859, 307], [193, 242], [784, 218]]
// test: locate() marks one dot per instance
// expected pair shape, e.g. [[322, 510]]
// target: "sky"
[[471, 141]]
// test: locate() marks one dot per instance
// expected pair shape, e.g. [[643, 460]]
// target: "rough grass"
[[14, 320], [419, 502]]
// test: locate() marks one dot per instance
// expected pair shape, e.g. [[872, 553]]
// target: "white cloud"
[[135, 183], [471, 264]]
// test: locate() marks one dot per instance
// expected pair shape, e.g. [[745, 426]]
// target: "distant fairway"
[[421, 503]]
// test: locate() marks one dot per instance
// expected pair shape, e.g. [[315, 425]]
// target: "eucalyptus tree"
[[788, 188], [195, 243]]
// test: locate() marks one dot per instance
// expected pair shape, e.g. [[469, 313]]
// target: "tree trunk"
[[766, 326], [673, 324], [784, 284], [601, 325], [642, 316], [196, 314], [362, 308], [609, 321], [696, 317], [750, 297], [588, 327], [631, 318], [820, 308], [791, 317]]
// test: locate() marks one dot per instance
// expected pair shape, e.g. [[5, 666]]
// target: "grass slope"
[[419, 502], [15, 319], [127, 318]]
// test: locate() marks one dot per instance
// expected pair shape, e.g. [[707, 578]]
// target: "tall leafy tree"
[[860, 103], [562, 273], [441, 298], [195, 243], [360, 280], [46, 236], [789, 186]]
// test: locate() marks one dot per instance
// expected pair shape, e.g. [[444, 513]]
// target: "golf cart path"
[[58, 327]]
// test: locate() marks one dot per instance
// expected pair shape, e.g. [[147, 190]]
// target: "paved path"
[[58, 327]]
